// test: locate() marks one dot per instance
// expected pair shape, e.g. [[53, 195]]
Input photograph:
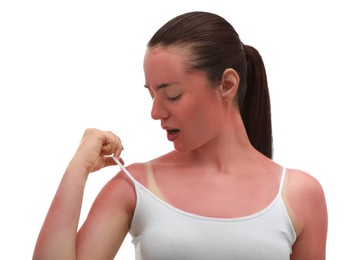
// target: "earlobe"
[[229, 83]]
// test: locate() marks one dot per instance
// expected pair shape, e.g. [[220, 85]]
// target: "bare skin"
[[213, 162]]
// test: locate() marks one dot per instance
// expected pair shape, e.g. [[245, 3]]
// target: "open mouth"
[[172, 131]]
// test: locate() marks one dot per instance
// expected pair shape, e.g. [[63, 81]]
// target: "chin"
[[181, 148]]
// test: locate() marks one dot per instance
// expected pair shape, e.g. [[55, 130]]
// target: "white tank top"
[[160, 231]]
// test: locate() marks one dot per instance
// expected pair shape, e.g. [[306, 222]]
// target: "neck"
[[229, 148]]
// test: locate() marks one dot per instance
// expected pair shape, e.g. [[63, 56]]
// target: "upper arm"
[[108, 221], [307, 205]]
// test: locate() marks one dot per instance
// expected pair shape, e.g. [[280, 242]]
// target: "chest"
[[161, 231], [221, 196]]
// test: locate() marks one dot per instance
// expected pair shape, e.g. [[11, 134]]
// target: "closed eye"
[[175, 97]]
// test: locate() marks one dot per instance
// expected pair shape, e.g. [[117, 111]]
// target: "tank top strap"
[[282, 179], [122, 167]]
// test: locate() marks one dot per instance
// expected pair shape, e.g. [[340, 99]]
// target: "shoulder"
[[305, 200], [119, 192], [304, 194], [302, 184], [139, 170], [113, 209]]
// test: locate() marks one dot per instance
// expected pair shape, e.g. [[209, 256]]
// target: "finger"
[[120, 160], [118, 148], [111, 143]]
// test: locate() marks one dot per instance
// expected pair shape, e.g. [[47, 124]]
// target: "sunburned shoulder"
[[305, 199], [137, 171], [121, 185], [301, 183], [118, 196]]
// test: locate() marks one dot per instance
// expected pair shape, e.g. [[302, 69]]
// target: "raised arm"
[[58, 237]]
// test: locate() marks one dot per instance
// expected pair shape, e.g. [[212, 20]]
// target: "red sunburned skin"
[[172, 134]]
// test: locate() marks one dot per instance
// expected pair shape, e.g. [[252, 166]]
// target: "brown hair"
[[214, 47]]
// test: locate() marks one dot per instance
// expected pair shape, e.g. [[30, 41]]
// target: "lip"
[[167, 128], [171, 136]]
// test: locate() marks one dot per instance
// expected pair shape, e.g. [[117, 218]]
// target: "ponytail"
[[255, 108]]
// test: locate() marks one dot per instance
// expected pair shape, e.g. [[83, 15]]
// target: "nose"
[[158, 111]]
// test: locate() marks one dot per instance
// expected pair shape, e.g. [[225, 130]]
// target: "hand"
[[95, 149]]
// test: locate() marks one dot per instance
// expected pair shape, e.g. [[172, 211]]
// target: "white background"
[[69, 65]]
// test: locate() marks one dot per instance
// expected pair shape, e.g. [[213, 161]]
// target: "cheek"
[[200, 120], [202, 111]]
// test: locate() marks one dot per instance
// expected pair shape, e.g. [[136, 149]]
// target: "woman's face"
[[185, 103]]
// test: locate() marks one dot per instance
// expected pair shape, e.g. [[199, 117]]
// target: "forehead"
[[180, 51], [166, 66], [163, 62]]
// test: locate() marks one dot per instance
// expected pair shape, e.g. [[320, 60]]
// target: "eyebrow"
[[163, 85]]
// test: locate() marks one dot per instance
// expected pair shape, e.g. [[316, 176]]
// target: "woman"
[[218, 195]]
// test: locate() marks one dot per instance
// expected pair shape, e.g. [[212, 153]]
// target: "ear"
[[229, 84]]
